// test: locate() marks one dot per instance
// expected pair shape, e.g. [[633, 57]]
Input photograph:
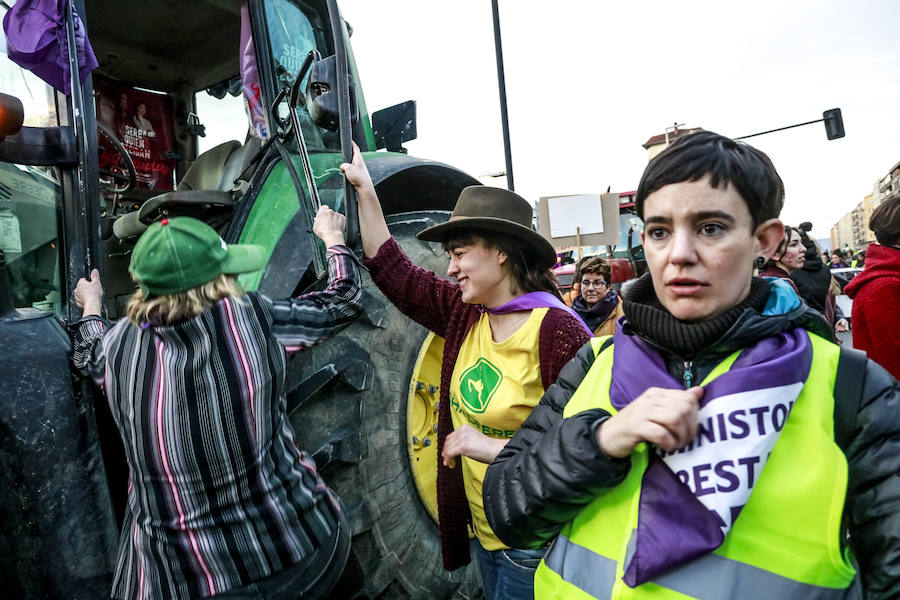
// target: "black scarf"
[[648, 317]]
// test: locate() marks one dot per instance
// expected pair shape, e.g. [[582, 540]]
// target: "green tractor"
[[90, 170]]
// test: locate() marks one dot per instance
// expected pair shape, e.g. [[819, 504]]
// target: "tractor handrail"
[[344, 125]]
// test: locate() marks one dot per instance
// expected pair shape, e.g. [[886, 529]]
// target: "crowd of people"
[[698, 436], [844, 258]]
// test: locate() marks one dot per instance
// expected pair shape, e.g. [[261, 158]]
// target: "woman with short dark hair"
[[598, 305], [718, 444]]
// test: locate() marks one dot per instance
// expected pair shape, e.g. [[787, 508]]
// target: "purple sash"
[[533, 300], [674, 525]]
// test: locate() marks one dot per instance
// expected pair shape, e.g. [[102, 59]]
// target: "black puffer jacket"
[[813, 279], [553, 467]]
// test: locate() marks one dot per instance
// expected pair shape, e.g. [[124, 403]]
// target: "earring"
[[760, 262]]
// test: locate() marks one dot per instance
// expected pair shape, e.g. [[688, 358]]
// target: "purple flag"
[[36, 40], [250, 78]]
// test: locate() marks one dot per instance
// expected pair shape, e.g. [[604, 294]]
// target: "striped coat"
[[218, 494]]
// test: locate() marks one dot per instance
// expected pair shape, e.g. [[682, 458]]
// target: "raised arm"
[[306, 320], [372, 226], [418, 293], [87, 349]]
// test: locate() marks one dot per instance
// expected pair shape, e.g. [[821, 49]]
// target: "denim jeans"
[[507, 574]]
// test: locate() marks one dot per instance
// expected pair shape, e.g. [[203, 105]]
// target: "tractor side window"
[[223, 116], [633, 223], [30, 199], [293, 33]]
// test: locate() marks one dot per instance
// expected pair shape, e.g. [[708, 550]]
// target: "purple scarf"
[[533, 300], [691, 497], [595, 315]]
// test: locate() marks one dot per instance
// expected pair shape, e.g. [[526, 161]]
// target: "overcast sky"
[[588, 82]]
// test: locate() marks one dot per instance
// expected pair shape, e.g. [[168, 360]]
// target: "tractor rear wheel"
[[367, 413]]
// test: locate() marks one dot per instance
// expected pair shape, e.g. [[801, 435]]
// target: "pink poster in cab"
[[142, 120]]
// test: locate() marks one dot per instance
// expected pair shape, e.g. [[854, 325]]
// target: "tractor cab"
[[174, 120], [184, 123], [230, 111]]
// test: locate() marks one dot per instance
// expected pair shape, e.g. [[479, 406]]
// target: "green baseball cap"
[[175, 255]]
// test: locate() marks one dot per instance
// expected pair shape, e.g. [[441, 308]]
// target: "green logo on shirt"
[[478, 384]]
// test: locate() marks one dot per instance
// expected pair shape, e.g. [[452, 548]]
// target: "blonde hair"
[[174, 308]]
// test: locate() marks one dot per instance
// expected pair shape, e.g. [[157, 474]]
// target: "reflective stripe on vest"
[[789, 551], [711, 577], [583, 568]]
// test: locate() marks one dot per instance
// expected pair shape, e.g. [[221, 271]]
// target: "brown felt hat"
[[492, 209]]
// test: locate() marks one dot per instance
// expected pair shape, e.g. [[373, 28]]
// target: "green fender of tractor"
[[407, 184]]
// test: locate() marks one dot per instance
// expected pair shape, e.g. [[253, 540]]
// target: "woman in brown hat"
[[507, 335]]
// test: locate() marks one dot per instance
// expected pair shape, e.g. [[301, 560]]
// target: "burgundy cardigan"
[[436, 303]]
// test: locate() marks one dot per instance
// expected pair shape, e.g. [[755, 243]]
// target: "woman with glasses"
[[598, 305]]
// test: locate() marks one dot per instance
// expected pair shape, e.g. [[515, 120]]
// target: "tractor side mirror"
[[322, 98], [12, 115], [394, 125]]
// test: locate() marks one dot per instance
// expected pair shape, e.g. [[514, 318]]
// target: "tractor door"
[[45, 225], [304, 171], [59, 532]]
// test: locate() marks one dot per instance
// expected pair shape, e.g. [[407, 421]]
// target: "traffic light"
[[834, 123]]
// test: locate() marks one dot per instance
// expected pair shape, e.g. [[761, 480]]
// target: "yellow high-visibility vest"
[[785, 544]]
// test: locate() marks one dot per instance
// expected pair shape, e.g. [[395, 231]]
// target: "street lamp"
[[834, 125], [501, 84]]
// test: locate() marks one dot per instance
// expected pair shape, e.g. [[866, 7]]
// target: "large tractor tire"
[[364, 403]]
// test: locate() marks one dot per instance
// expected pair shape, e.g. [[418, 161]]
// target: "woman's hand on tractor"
[[89, 294], [372, 226], [329, 226], [357, 173], [667, 418], [468, 441]]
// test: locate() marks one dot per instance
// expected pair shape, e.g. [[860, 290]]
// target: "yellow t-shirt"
[[494, 387]]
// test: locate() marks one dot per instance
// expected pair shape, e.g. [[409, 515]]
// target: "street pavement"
[[846, 306], [846, 339]]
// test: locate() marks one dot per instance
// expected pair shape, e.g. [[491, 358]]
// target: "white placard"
[[10, 236], [568, 212]]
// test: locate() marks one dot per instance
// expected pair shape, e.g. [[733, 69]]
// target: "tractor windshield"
[[293, 34]]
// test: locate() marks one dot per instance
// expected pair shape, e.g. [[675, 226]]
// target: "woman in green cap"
[[507, 335], [221, 503]]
